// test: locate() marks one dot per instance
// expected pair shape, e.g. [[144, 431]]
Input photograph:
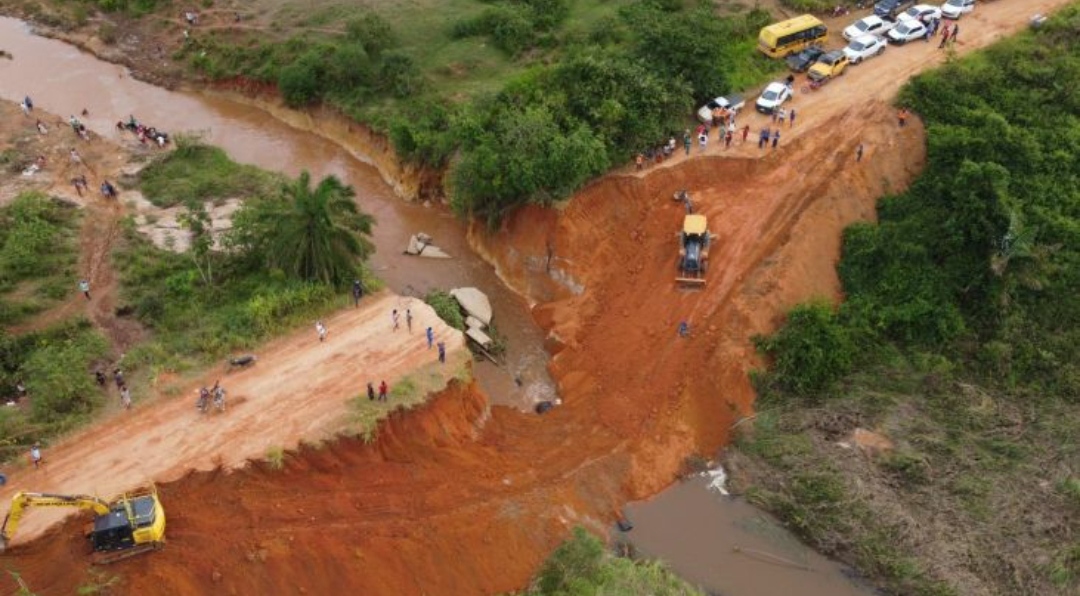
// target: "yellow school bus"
[[790, 36]]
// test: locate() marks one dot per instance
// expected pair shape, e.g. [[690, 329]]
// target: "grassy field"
[[38, 255]]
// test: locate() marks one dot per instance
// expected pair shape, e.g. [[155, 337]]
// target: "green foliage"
[[515, 25], [37, 254], [811, 351], [447, 308], [312, 234], [275, 458], [810, 5], [199, 172], [581, 565]]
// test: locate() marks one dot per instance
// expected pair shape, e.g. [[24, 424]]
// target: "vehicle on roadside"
[[872, 24], [920, 12], [804, 59], [772, 97], [954, 8], [828, 66], [732, 103], [890, 8], [907, 31], [790, 36], [864, 47]]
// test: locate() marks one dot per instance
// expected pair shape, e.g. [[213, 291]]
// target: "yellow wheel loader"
[[694, 243], [124, 526]]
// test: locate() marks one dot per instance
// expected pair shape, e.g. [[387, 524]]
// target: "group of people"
[[143, 132], [216, 393], [121, 384]]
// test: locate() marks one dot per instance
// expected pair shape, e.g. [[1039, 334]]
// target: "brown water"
[[63, 80], [726, 546]]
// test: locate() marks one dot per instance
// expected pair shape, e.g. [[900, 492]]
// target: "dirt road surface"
[[298, 389], [448, 501]]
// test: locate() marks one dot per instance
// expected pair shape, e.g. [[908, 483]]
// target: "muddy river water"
[[724, 546], [63, 80]]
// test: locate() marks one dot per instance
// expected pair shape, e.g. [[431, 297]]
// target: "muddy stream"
[[712, 541], [63, 80]]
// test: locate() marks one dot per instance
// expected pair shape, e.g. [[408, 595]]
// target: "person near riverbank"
[[408, 319], [35, 455], [125, 397], [84, 287], [430, 337], [791, 118], [321, 330], [108, 190], [80, 184], [858, 153], [442, 352], [41, 128], [370, 391], [901, 117], [396, 319], [384, 389]]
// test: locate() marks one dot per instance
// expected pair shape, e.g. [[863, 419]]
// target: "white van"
[[952, 9]]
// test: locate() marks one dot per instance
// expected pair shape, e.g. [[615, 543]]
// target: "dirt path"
[[298, 389], [437, 506]]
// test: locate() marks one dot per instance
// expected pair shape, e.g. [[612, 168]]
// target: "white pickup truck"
[[734, 103]]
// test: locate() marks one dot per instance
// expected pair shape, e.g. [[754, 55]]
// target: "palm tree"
[[313, 234]]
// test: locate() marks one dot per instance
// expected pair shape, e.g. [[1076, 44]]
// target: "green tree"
[[197, 221], [812, 351], [312, 234]]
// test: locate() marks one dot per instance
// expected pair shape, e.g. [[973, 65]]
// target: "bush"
[[199, 172], [447, 307], [811, 351]]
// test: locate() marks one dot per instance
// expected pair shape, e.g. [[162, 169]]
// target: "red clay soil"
[[453, 500]]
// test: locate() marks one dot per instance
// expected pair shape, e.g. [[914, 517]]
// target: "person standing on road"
[[955, 32], [35, 455], [686, 141], [321, 330], [684, 329], [408, 319], [383, 390], [370, 392], [442, 352], [775, 138], [901, 117], [357, 293], [858, 153], [763, 137], [745, 132], [125, 398], [944, 37], [727, 139], [84, 287], [791, 118], [394, 318], [430, 337]]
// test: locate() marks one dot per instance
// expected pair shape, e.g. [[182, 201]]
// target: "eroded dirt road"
[[439, 505], [298, 389]]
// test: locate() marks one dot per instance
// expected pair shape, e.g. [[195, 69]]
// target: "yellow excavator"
[[125, 526]]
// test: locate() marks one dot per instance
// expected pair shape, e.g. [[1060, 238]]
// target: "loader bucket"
[[690, 281]]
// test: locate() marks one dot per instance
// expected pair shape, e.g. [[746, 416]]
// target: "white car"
[[864, 47], [869, 25], [907, 31], [773, 97], [920, 12], [954, 8]]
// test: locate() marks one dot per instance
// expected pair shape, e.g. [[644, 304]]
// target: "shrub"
[[447, 307], [811, 351]]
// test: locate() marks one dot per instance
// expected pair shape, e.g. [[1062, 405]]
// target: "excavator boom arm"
[[22, 500]]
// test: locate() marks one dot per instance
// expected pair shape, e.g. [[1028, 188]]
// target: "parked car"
[[865, 47], [731, 102], [920, 12], [907, 31], [804, 59], [828, 66], [872, 24], [954, 8], [772, 97], [890, 8]]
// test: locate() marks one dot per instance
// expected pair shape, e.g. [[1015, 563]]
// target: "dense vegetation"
[[292, 251], [199, 172], [577, 95], [37, 255], [959, 339], [582, 566]]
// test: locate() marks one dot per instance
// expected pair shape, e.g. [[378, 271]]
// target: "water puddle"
[[726, 546], [64, 81]]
